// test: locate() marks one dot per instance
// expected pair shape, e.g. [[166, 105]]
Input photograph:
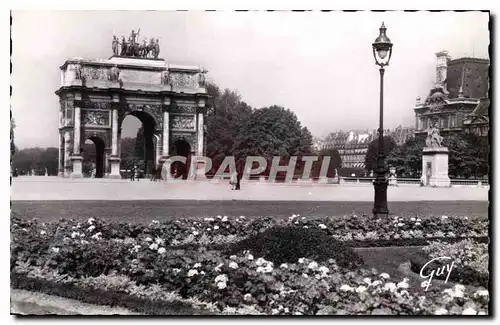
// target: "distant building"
[[478, 122], [460, 85], [353, 145], [318, 144]]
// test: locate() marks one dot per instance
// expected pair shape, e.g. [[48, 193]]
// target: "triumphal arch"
[[96, 95]]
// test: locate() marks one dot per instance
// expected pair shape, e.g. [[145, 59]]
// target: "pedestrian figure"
[[233, 180], [132, 174], [239, 175]]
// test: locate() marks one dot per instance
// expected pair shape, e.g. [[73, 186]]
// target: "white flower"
[[175, 270], [209, 229], [283, 266], [306, 227], [160, 241], [196, 233], [459, 287], [368, 281], [83, 242], [481, 293], [293, 217], [376, 283], [322, 226], [74, 234], [43, 232], [221, 285], [444, 217], [91, 228], [324, 269], [90, 221], [217, 268], [154, 221], [136, 248], [197, 265], [232, 257], [419, 220], [247, 297], [401, 224], [82, 235], [417, 223], [360, 289], [313, 265], [148, 239], [192, 273], [441, 311], [391, 286], [275, 311], [345, 287], [260, 261], [384, 275], [448, 292], [305, 275], [153, 246], [216, 227], [301, 260], [224, 219], [403, 284], [162, 250], [55, 249], [250, 257], [296, 222], [286, 310], [469, 311], [233, 265], [413, 219], [97, 236]]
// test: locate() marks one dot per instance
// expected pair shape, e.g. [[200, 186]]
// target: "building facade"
[[460, 85], [353, 145]]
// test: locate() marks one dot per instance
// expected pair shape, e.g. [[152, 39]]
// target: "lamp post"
[[382, 51]]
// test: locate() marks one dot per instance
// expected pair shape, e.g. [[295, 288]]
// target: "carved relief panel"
[[96, 117], [183, 79], [184, 122]]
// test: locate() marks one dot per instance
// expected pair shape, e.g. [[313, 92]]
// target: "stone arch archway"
[[149, 126], [99, 159], [181, 147]]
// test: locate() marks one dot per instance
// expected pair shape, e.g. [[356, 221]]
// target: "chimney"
[[441, 67]]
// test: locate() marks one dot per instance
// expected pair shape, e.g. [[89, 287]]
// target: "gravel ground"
[[145, 211]]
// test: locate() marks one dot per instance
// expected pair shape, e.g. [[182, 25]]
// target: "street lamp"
[[382, 51]]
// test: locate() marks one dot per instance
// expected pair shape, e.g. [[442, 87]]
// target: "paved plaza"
[[53, 188]]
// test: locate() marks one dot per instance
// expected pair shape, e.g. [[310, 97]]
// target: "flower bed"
[[138, 260], [469, 257]]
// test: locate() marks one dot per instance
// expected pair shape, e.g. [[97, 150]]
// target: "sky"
[[318, 64]]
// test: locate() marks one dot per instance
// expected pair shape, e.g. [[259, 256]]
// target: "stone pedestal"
[[435, 167], [114, 162], [77, 167], [393, 181]]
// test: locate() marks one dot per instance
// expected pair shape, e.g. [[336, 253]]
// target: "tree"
[[140, 143], [372, 153], [468, 155], [127, 154], [407, 158], [38, 159], [273, 131], [231, 114]]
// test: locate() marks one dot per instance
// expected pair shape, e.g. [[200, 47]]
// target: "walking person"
[[233, 180], [132, 174]]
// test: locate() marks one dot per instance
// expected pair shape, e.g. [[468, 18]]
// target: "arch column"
[[60, 159], [76, 157], [166, 131], [114, 158]]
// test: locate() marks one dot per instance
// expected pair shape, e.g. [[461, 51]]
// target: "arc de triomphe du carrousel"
[[96, 95]]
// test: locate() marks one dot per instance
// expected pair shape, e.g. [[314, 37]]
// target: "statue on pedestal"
[[114, 45], [434, 139]]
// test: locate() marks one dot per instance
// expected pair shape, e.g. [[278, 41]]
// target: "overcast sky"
[[320, 65]]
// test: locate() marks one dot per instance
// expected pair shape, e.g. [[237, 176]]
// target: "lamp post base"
[[380, 205]]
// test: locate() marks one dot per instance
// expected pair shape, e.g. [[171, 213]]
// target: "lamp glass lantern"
[[382, 48]]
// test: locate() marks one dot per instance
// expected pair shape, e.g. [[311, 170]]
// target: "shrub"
[[288, 244]]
